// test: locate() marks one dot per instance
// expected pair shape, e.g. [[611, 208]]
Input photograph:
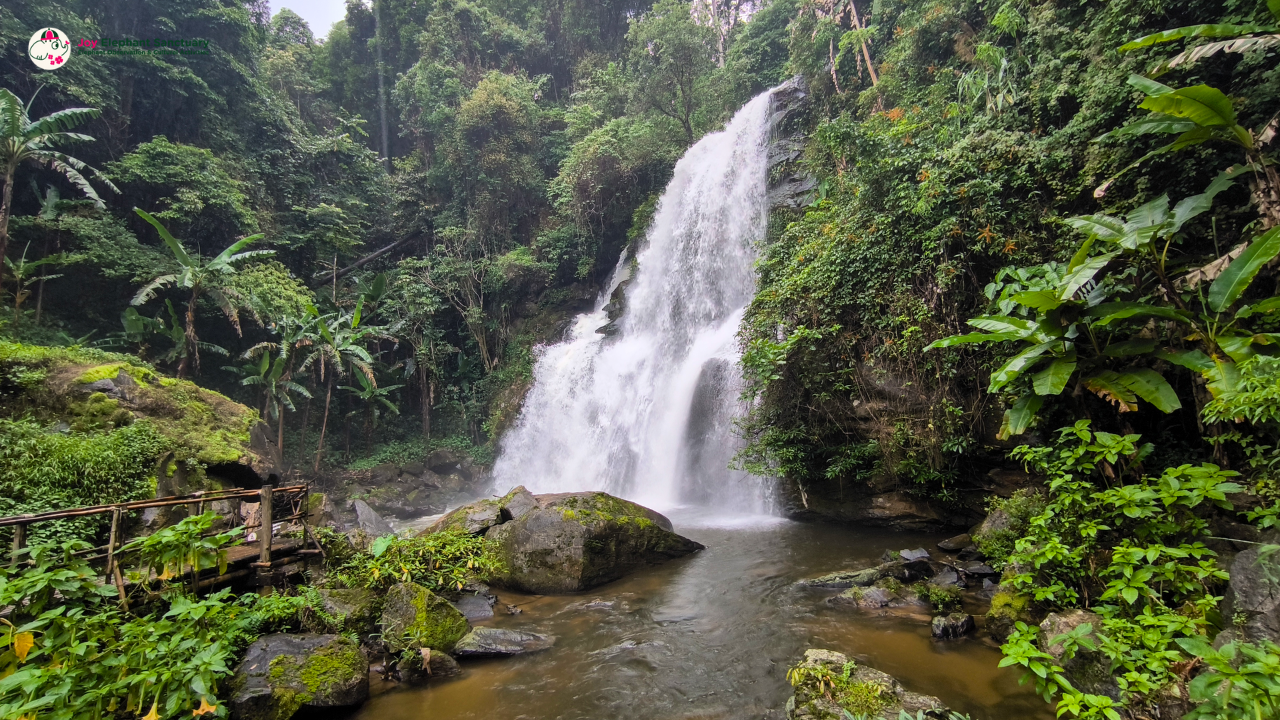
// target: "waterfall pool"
[[711, 636]]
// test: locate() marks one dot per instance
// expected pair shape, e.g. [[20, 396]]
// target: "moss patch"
[[415, 617], [111, 371], [319, 672], [602, 508]]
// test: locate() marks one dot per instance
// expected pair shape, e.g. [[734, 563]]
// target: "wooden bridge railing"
[[296, 496]]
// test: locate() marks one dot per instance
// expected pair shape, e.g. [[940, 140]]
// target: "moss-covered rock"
[[1088, 670], [359, 608], [829, 686], [477, 517], [94, 391], [282, 673], [1008, 607], [414, 617], [576, 541]]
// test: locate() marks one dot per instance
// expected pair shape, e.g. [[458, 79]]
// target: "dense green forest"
[[1042, 235]]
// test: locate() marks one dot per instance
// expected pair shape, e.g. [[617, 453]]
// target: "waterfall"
[[646, 412]]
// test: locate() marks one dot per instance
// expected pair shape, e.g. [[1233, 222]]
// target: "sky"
[[319, 14]]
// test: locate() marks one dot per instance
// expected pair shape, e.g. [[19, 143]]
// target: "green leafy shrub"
[[1126, 546], [1020, 507], [441, 562], [864, 698]]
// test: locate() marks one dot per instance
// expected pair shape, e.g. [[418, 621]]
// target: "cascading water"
[[647, 414]]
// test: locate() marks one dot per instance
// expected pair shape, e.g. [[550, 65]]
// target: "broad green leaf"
[[1155, 123], [1231, 284], [1083, 253], [1082, 275], [1152, 387], [1101, 226], [1039, 299], [1053, 379], [1205, 106], [973, 338], [1135, 346], [1106, 385], [226, 255], [1018, 418], [1266, 306], [1222, 30], [1148, 86], [1130, 595], [1190, 207], [175, 247], [1108, 313], [1274, 7], [1196, 646], [1237, 347], [1004, 324], [1149, 215], [1190, 359], [1020, 362]]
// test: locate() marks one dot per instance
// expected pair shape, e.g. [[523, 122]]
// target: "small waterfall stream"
[[647, 414]]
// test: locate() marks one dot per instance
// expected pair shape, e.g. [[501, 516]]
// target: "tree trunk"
[[325, 423], [5, 204], [280, 427], [192, 356], [424, 385]]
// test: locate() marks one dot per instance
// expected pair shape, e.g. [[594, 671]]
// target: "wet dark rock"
[[514, 610], [475, 607], [577, 541], [975, 568], [282, 673], [1089, 670], [481, 515], [1254, 593], [359, 609], [414, 617], [899, 570], [812, 701], [952, 626], [497, 642], [426, 666], [370, 521], [896, 510], [954, 544], [917, 554], [971, 552], [517, 503], [887, 595], [413, 468], [405, 501], [948, 577]]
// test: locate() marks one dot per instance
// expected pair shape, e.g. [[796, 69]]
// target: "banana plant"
[[1074, 322], [1229, 38]]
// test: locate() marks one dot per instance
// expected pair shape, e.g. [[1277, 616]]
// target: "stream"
[[711, 636]]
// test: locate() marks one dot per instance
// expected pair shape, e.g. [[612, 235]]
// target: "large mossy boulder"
[[828, 686], [1088, 670], [477, 517], [1008, 608], [414, 617], [576, 541], [284, 673], [359, 608]]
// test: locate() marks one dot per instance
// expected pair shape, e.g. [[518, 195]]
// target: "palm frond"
[[237, 246], [148, 291], [61, 120], [257, 348], [223, 298], [175, 247], [12, 114], [58, 162]]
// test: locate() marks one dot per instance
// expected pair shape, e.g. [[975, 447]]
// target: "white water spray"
[[648, 413]]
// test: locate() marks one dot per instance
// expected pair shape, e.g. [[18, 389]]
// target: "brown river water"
[[710, 637]]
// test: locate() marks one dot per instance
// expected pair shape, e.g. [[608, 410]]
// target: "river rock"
[[481, 515], [900, 570], [577, 541], [888, 595], [1254, 593], [952, 626], [358, 608], [948, 577], [415, 617], [814, 701], [957, 543], [497, 642], [426, 665], [282, 673], [1089, 670], [370, 521], [1008, 608], [475, 607]]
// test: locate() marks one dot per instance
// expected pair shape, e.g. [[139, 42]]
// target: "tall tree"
[[34, 141], [199, 276], [671, 59]]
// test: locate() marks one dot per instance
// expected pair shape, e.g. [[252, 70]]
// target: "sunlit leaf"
[[1152, 387], [1233, 281], [22, 644], [1053, 379]]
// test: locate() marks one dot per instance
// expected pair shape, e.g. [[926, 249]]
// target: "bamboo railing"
[[296, 497]]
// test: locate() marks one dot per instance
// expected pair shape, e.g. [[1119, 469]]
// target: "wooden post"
[[111, 543], [264, 541], [264, 526], [19, 542], [200, 505]]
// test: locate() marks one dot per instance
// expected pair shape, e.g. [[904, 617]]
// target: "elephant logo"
[[49, 48]]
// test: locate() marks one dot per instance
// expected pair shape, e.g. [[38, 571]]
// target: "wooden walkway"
[[267, 557]]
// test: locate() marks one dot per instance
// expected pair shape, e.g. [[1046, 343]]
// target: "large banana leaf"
[[1053, 379], [973, 338], [1222, 30], [1017, 364], [1233, 281], [1205, 106], [1108, 313], [1018, 418], [1152, 387]]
